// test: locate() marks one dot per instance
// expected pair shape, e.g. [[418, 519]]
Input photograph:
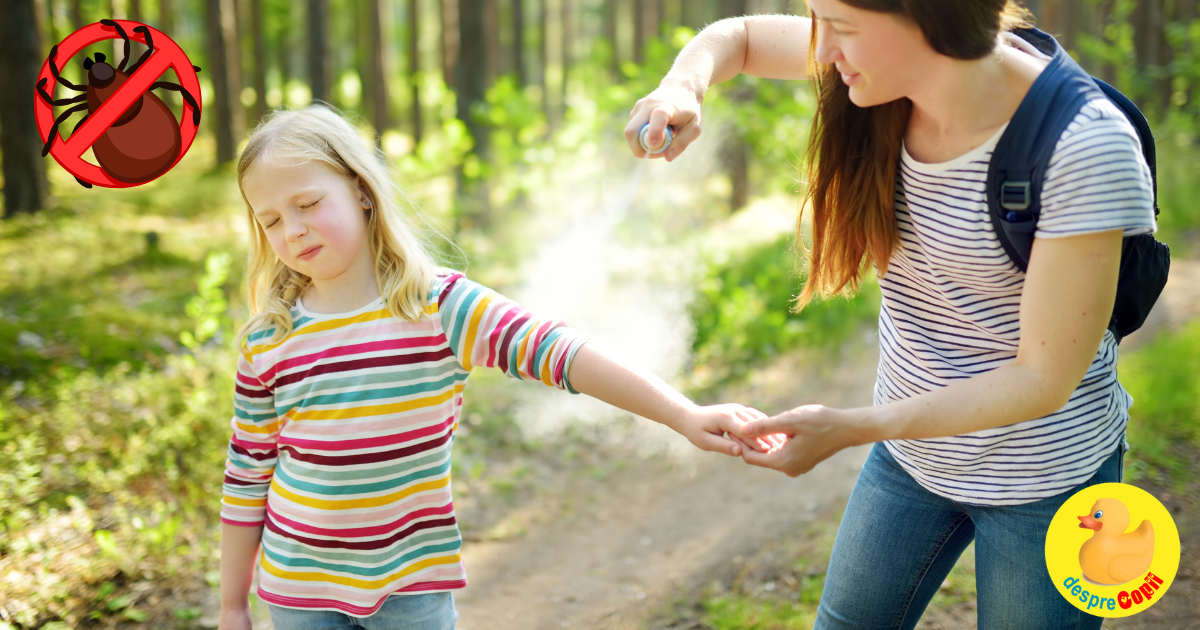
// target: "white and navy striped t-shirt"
[[951, 301]]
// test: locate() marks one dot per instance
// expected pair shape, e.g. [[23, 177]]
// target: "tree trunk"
[[414, 68], [639, 29], [692, 14], [135, 10], [116, 11], [733, 8], [491, 38], [518, 18], [260, 62], [164, 17], [320, 68], [223, 110], [450, 43], [25, 184], [569, 33], [544, 51], [45, 9], [610, 33], [77, 14], [471, 83], [735, 152]]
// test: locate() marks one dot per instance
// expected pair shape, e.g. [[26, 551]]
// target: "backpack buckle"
[[1015, 195]]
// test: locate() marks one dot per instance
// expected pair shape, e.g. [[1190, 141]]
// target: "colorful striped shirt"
[[342, 435], [951, 310]]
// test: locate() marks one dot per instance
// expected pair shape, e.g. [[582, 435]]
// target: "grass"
[[1164, 427]]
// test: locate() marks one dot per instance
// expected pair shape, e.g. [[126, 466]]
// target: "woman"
[[996, 397]]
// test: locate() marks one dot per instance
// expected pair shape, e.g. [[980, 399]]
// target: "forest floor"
[[645, 543]]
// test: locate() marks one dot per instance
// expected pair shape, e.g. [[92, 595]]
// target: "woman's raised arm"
[[768, 46]]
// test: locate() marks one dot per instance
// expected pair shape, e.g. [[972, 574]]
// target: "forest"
[[502, 121]]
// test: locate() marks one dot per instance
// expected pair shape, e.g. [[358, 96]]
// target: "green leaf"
[[106, 542]]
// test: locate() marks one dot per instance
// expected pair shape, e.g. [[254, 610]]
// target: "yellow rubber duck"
[[1112, 556]]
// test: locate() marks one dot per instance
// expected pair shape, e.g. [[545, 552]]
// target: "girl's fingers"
[[715, 444]]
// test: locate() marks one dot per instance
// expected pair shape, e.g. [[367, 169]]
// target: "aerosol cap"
[[644, 140]]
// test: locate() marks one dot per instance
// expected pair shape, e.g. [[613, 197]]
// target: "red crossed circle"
[[167, 54]]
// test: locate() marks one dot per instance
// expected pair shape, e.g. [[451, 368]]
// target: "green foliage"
[[1165, 420], [209, 308], [743, 312], [1178, 191], [744, 613]]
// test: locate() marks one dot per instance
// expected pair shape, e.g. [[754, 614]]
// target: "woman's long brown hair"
[[853, 152]]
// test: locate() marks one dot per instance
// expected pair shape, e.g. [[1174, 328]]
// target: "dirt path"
[[656, 528]]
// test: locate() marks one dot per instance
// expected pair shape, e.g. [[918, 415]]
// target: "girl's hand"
[[804, 437], [678, 107], [235, 618], [719, 428]]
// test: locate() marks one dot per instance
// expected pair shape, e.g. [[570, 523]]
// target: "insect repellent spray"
[[642, 140]]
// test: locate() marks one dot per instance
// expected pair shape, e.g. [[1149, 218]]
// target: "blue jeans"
[[898, 541], [427, 611]]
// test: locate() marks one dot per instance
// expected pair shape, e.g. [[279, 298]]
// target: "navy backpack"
[[1018, 169]]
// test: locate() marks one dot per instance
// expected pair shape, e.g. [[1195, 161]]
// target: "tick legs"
[[58, 121], [149, 48], [186, 97], [59, 79], [41, 88], [121, 32]]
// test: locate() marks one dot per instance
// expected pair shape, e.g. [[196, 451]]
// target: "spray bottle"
[[642, 140]]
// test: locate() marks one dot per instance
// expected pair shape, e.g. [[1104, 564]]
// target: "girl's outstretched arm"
[[605, 378], [239, 550], [486, 329]]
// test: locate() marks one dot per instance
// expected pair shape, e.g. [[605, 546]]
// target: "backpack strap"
[[1139, 122], [1018, 166]]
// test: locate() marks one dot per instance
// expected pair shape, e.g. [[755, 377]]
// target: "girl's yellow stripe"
[[375, 410], [350, 504], [254, 428], [244, 502], [473, 329], [313, 576], [547, 373], [331, 324]]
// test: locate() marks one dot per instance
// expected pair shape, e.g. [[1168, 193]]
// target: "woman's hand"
[[671, 105], [720, 428], [805, 436]]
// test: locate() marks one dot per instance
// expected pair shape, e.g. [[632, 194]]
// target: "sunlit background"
[[503, 119]]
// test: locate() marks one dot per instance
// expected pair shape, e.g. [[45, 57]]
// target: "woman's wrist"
[[686, 82], [872, 424]]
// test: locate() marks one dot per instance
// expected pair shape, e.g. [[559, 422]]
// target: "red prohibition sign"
[[167, 54]]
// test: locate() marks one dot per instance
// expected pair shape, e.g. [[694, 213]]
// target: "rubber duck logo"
[[1100, 567], [1112, 556]]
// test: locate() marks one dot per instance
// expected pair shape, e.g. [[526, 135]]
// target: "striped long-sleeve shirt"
[[342, 435], [951, 310]]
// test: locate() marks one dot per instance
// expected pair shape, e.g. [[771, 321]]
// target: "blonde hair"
[[404, 268]]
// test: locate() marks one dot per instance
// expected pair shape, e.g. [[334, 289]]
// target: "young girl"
[[997, 395], [349, 392]]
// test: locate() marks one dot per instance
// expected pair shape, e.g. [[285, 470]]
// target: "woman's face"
[[881, 56], [313, 217]]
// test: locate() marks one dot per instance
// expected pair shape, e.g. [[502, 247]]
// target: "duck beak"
[[1087, 522]]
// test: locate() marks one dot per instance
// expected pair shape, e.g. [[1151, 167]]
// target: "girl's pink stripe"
[[373, 442], [362, 532]]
